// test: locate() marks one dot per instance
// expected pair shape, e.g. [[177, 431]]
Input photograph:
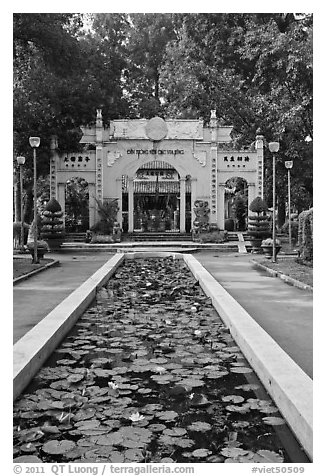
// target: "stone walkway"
[[35, 297], [285, 312]]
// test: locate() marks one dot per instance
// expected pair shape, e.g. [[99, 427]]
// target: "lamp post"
[[34, 142], [274, 147], [289, 165], [20, 162]]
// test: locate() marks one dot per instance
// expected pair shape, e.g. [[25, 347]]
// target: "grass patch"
[[22, 266], [290, 267]]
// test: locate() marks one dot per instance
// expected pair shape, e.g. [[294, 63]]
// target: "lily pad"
[[112, 439], [248, 387], [241, 370], [200, 426], [133, 456], [27, 459], [274, 421], [201, 453], [56, 447], [175, 432], [84, 414], [267, 456], [233, 398], [167, 416], [230, 452]]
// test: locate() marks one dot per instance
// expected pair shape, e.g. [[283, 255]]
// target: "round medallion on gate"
[[156, 129]]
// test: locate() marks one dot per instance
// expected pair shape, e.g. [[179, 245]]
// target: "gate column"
[[131, 205], [92, 204], [119, 197], [62, 197], [182, 204], [193, 199], [220, 205], [251, 193]]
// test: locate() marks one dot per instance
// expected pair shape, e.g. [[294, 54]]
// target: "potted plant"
[[258, 224], [42, 248], [267, 246], [52, 230]]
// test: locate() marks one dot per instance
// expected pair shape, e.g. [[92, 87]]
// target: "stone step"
[[75, 238], [162, 237]]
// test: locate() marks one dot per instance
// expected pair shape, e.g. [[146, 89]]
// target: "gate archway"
[[155, 199], [235, 204], [76, 205]]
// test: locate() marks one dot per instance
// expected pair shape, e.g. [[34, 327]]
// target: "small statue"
[[116, 232]]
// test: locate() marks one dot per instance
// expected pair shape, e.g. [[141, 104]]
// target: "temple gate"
[[161, 166]]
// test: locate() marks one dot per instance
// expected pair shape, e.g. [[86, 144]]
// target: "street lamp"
[[274, 147], [34, 142], [20, 162], [289, 165]]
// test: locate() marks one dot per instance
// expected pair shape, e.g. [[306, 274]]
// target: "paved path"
[[285, 312], [35, 297], [282, 310]]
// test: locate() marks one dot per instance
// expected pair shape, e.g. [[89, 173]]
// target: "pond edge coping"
[[289, 386], [33, 349], [284, 380]]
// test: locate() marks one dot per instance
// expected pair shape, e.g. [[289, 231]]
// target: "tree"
[[148, 37], [61, 75], [256, 70]]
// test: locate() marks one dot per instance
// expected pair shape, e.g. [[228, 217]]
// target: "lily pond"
[[150, 373]]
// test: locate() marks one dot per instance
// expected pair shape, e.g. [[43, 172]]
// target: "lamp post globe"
[[34, 142], [274, 147], [20, 162]]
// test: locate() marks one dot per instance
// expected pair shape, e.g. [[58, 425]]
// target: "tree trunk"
[[16, 200], [281, 213], [157, 85], [29, 208]]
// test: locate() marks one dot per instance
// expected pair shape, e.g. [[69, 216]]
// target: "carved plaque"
[[156, 129]]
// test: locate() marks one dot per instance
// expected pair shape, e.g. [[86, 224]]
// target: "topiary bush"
[[258, 224], [52, 230], [305, 235], [258, 205]]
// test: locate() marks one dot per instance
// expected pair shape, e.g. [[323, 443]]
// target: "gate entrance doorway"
[[156, 199]]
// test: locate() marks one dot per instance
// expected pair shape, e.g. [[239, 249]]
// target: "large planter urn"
[[267, 247], [256, 245], [268, 250], [41, 249]]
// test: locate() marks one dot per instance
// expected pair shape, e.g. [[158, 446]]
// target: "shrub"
[[213, 237], [17, 233], [269, 242], [305, 235], [102, 239], [102, 227], [229, 224], [108, 210], [258, 226], [294, 229], [258, 205], [52, 222]]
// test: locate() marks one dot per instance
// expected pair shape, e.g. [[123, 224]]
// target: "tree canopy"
[[254, 69]]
